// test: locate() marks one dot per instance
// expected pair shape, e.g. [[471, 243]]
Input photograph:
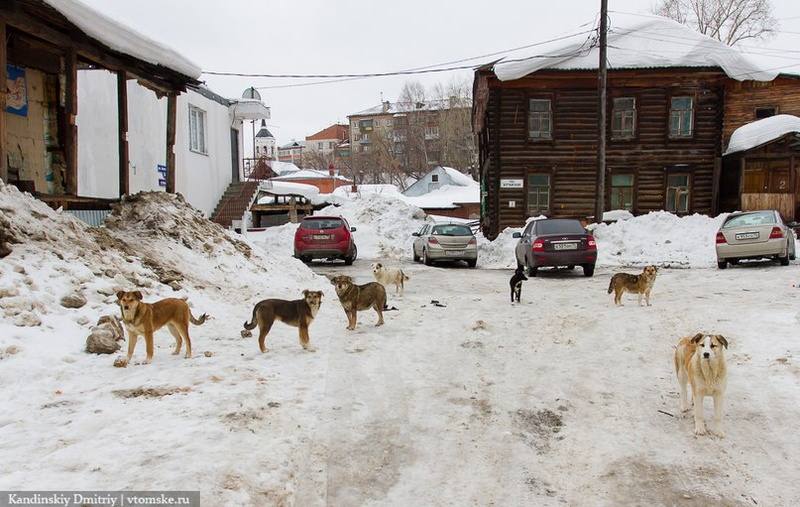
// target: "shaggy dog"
[[700, 361], [142, 318], [640, 284], [359, 297], [516, 283], [299, 313], [386, 276]]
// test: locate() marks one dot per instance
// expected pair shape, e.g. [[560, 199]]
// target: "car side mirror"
[[415, 234], [352, 229], [792, 224], [516, 235]]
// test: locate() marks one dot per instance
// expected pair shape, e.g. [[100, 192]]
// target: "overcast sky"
[[357, 37]]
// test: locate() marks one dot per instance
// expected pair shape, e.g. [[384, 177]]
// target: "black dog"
[[516, 284]]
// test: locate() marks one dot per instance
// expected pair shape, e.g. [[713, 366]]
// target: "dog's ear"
[[722, 340], [305, 292], [120, 293], [321, 294], [697, 338], [138, 295]]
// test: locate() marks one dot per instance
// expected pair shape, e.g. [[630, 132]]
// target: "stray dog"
[[387, 276], [700, 361], [359, 297], [142, 318], [640, 284], [516, 283], [299, 313]]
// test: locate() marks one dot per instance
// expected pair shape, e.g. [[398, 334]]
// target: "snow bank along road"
[[562, 399]]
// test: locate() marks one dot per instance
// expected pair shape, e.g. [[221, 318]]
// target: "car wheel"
[[425, 259], [472, 262], [734, 262], [414, 253], [793, 255], [722, 264], [588, 269], [532, 270], [348, 261], [571, 267], [784, 260], [305, 259]]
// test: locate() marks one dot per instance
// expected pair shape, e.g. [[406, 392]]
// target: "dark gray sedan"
[[555, 242]]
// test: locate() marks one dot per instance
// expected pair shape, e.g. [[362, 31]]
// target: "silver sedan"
[[755, 235]]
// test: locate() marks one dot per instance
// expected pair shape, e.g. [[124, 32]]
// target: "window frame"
[[198, 138], [671, 113], [624, 133], [687, 193], [550, 119], [529, 190], [631, 187]]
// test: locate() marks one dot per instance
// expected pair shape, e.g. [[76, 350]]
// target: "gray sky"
[[357, 36]]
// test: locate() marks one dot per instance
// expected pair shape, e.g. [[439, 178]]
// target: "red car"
[[329, 238]]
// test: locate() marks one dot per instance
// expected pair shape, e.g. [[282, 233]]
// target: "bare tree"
[[729, 21]]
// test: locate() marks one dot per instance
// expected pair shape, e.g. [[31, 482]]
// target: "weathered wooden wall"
[[743, 98], [571, 156]]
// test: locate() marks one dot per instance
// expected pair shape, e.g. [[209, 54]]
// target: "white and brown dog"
[[386, 276], [700, 361]]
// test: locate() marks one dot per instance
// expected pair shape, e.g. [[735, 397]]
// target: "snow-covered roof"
[[398, 108], [636, 42], [762, 131], [283, 167], [287, 188], [306, 174], [122, 38], [459, 178]]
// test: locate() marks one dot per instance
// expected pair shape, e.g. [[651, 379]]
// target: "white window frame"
[[197, 130]]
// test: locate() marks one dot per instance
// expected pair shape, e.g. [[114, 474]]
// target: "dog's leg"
[[647, 296], [263, 328], [304, 336], [699, 423], [718, 416], [351, 318], [640, 298], [379, 308], [682, 381], [617, 297], [132, 337], [148, 341], [178, 338]]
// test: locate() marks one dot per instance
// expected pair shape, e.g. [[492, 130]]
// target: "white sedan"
[[755, 235]]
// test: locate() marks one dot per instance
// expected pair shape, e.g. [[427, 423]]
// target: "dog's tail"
[[253, 322], [611, 285], [405, 276], [199, 321]]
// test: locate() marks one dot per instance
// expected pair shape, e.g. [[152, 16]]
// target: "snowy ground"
[[562, 399]]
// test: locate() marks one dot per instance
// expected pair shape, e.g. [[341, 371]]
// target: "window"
[[320, 145], [765, 112], [540, 124], [681, 117], [538, 193], [377, 123], [435, 178], [622, 191], [623, 120], [678, 193], [197, 130], [432, 132]]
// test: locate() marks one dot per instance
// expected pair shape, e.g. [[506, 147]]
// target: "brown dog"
[[700, 361], [299, 313], [640, 284], [142, 318], [359, 297]]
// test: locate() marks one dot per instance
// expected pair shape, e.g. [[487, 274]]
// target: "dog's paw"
[[310, 349], [700, 431]]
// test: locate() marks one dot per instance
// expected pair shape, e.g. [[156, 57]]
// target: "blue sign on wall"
[[162, 171]]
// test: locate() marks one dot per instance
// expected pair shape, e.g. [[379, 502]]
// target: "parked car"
[[755, 235], [445, 242], [320, 237], [555, 242]]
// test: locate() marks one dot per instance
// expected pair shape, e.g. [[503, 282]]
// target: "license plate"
[[452, 253], [747, 235], [565, 246], [322, 236]]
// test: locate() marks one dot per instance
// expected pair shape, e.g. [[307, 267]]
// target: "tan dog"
[[700, 361], [144, 319], [640, 284], [386, 276], [359, 297], [299, 313]]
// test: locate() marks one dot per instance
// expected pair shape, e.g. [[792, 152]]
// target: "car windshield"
[[321, 223], [559, 227], [747, 219], [451, 230]]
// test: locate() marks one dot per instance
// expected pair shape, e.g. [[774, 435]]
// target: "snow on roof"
[[283, 167], [459, 178], [635, 42], [306, 174], [288, 188], [122, 38], [762, 131]]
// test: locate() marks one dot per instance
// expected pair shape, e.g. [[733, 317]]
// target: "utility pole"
[[601, 116]]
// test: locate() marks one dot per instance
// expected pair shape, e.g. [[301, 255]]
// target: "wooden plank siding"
[[571, 156], [743, 98]]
